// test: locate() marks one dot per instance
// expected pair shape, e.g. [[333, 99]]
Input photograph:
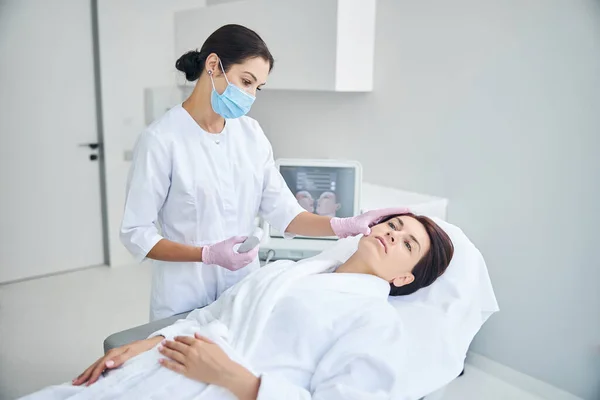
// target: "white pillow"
[[441, 320]]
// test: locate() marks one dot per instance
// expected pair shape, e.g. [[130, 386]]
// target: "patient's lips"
[[382, 242]]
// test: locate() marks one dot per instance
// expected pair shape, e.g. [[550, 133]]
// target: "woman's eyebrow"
[[252, 75], [411, 236], [416, 241]]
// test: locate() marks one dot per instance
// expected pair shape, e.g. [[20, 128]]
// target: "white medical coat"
[[199, 188]]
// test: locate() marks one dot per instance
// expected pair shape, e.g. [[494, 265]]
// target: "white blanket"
[[235, 322]]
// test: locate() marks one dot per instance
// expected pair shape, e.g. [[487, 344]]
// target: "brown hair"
[[433, 263]]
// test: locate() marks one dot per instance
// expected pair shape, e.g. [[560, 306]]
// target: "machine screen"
[[322, 190]]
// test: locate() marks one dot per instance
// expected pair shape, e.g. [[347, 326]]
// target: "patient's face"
[[394, 248], [306, 201], [327, 204]]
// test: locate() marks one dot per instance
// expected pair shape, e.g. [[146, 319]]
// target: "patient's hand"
[[200, 359], [114, 359]]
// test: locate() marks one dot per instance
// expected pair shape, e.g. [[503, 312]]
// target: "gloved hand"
[[222, 254], [361, 224]]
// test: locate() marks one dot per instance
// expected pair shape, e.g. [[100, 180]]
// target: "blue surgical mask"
[[233, 102]]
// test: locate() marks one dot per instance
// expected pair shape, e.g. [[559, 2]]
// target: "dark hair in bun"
[[234, 44]]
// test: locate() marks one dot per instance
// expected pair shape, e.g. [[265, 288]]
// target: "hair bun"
[[190, 64]]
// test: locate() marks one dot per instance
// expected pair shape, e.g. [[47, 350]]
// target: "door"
[[50, 205]]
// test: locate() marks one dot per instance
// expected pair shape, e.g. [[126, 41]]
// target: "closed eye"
[[392, 225], [246, 82], [408, 246]]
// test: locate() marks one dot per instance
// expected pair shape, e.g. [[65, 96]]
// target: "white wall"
[[495, 105], [136, 51]]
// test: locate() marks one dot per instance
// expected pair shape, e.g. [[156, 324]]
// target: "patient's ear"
[[403, 280]]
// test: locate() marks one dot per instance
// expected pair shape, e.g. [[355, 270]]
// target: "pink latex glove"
[[222, 254], [361, 224]]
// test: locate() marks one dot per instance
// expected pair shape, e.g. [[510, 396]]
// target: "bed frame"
[[139, 332]]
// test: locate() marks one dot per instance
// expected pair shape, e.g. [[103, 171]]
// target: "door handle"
[[92, 146]]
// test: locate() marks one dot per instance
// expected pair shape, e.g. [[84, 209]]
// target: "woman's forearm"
[[308, 224], [166, 250], [153, 341], [241, 382]]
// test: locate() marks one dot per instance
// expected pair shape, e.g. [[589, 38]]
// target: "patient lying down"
[[308, 330]]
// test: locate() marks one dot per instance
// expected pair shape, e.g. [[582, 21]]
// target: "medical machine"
[[335, 188], [325, 187], [251, 242]]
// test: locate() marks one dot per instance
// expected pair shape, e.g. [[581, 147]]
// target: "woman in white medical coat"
[[203, 171]]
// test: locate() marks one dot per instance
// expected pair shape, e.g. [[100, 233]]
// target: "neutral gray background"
[[495, 105]]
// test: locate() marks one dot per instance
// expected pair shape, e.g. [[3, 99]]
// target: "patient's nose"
[[391, 236], [395, 236]]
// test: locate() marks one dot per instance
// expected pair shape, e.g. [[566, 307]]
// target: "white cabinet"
[[324, 45]]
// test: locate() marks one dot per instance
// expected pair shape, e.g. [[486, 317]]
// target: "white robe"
[[307, 334]]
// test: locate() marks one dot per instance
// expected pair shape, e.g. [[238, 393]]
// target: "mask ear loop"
[[223, 69], [210, 74]]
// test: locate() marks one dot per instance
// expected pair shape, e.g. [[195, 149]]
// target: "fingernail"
[[164, 342], [160, 348], [110, 363]]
